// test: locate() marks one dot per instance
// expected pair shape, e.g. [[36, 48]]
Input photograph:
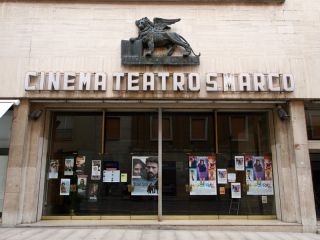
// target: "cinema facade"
[[235, 136]]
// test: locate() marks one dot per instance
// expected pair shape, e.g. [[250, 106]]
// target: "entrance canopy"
[[6, 104]]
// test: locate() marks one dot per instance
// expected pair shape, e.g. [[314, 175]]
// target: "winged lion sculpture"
[[154, 34]]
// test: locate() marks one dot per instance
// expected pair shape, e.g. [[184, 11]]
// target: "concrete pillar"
[[32, 170], [288, 208], [303, 166], [17, 157]]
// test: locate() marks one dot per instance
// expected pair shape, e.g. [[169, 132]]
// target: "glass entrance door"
[[129, 143], [187, 136]]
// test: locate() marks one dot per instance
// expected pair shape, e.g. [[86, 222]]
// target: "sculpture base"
[[161, 60]]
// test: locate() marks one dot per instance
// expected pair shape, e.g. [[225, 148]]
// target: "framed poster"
[[93, 192], [64, 186], [202, 175], [144, 175], [222, 176], [239, 163], [82, 185], [80, 164], [259, 177], [53, 169], [68, 166], [235, 190], [96, 170], [232, 177], [111, 176]]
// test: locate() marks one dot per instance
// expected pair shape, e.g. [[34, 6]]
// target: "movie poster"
[[259, 177], [80, 164], [82, 185], [235, 190], [65, 187], [68, 166], [239, 163], [53, 169], [232, 177], [248, 161], [96, 170], [202, 175], [222, 176], [249, 174], [93, 192], [268, 168], [144, 176]]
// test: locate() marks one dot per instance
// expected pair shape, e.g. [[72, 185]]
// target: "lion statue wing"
[[162, 24]]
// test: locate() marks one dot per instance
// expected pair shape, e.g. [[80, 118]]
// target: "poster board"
[[202, 175], [144, 176]]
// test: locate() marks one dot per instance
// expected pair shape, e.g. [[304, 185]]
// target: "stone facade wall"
[[232, 38]]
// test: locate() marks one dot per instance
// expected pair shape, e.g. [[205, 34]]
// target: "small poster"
[[124, 177], [202, 179], [68, 166], [249, 174], [144, 175], [82, 185], [93, 192], [222, 176], [80, 164], [235, 190], [248, 161], [264, 199], [239, 163], [258, 169], [53, 169], [267, 168], [111, 176], [65, 187], [96, 170], [231, 177], [222, 190]]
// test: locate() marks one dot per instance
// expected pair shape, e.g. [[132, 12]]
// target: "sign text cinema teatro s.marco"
[[161, 81]]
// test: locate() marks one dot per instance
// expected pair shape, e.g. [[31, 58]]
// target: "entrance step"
[[215, 225]]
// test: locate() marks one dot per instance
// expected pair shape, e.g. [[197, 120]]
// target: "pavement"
[[110, 233]]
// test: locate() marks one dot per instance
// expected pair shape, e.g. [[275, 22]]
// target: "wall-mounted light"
[[282, 114], [34, 115]]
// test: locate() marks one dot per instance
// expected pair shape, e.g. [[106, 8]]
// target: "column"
[[17, 154], [287, 202], [303, 166]]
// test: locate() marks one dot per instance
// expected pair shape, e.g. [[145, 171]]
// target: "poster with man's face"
[[144, 176], [82, 185], [80, 164]]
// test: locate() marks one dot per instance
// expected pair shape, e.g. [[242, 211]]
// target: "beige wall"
[[231, 38]]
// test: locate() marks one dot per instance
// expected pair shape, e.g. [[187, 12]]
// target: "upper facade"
[[235, 38]]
